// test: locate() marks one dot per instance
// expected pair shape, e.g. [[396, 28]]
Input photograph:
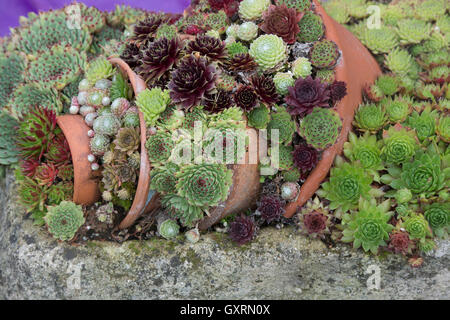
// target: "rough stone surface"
[[280, 264]]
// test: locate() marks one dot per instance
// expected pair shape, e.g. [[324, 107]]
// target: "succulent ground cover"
[[224, 66]]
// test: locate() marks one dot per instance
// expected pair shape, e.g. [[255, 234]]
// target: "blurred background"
[[13, 9]]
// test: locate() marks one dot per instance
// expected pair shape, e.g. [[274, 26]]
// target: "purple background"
[[11, 10]]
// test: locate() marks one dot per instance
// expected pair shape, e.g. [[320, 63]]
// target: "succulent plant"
[[397, 108], [219, 101], [247, 31], [168, 229], [269, 52], [179, 208], [265, 89], [282, 121], [56, 67], [171, 118], [423, 175], [152, 103], [106, 124], [388, 84], [166, 31], [11, 75], [417, 227], [285, 158], [242, 229], [443, 128], [158, 58], [64, 220], [438, 216], [246, 97], [217, 21], [370, 117], [301, 67], [191, 81], [399, 145], [163, 179], [9, 153], [338, 90], [99, 144], [146, 29], [368, 227], [31, 95], [326, 75], [31, 194], [270, 207], [324, 54], [58, 150], [399, 61], [292, 175], [127, 140], [305, 158], [63, 191], [131, 55], [307, 94], [99, 69], [347, 183], [399, 242], [311, 27], [35, 132], [367, 150], [259, 117], [253, 9], [314, 219], [236, 48], [320, 128], [41, 32], [423, 123], [412, 31], [196, 114], [159, 147], [210, 47], [241, 62], [283, 81], [119, 88], [282, 21], [204, 184]]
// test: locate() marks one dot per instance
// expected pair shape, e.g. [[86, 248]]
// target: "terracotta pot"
[[242, 195], [143, 199], [357, 68], [86, 190]]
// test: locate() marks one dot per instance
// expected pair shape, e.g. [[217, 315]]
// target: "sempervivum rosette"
[[307, 94], [282, 21], [191, 81], [265, 89], [269, 52], [158, 58], [210, 47], [305, 157], [204, 185], [321, 128]]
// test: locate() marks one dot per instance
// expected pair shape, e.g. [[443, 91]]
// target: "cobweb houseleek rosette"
[[368, 227], [56, 67], [347, 184], [367, 151], [320, 128], [204, 184]]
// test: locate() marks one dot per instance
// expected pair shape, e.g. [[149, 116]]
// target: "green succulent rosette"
[[412, 31], [64, 220], [400, 145], [370, 117], [400, 62], [381, 40], [204, 184], [159, 147], [282, 121], [269, 52], [321, 128], [368, 227], [347, 184], [179, 208], [56, 67], [443, 128], [367, 151], [98, 69], [11, 75], [438, 216], [417, 227], [253, 9], [424, 123], [152, 103]]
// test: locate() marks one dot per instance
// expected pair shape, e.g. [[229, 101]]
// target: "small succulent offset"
[[168, 229], [159, 147], [417, 227], [324, 54], [347, 184], [367, 151], [321, 128], [179, 208], [64, 220], [242, 229], [368, 227], [259, 117], [424, 123], [438, 216], [282, 121], [314, 219], [253, 9], [99, 69], [270, 207], [311, 27], [152, 103]]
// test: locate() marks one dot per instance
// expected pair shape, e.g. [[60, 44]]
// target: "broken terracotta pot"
[[244, 189], [357, 68], [86, 184]]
